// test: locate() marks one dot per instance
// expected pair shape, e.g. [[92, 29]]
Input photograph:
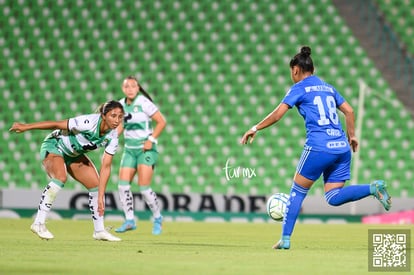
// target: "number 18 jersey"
[[317, 102]]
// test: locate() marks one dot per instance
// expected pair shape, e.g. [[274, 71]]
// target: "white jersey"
[[137, 121], [83, 136]]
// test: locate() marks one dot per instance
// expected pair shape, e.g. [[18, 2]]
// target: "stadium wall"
[[196, 203]]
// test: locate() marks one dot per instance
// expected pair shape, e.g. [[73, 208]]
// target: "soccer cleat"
[[40, 230], [127, 225], [105, 236], [283, 243], [379, 189], [157, 227]]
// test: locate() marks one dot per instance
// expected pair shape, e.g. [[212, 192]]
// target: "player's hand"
[[18, 127], [147, 145], [353, 141], [248, 135], [101, 206]]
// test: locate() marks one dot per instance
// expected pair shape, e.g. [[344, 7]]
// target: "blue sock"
[[346, 194], [297, 195]]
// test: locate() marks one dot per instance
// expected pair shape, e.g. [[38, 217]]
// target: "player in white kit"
[[64, 151], [140, 153]]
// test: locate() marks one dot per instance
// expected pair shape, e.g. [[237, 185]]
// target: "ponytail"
[[142, 91]]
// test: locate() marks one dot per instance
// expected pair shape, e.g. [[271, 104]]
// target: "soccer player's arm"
[[290, 99], [104, 174], [41, 125], [152, 111], [270, 119], [160, 124], [348, 111], [274, 116]]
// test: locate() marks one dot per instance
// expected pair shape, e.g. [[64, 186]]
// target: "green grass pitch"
[[186, 248]]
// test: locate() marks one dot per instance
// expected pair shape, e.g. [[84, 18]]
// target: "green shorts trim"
[[131, 158], [49, 146]]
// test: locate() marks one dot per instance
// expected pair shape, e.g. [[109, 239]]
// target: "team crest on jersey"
[[137, 108], [88, 135]]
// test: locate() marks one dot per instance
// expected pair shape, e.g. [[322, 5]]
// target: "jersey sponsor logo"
[[89, 147], [333, 132], [336, 144], [127, 117]]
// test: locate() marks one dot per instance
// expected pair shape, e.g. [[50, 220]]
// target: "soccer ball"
[[276, 206]]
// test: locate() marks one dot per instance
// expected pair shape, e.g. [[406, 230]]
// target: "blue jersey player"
[[327, 149]]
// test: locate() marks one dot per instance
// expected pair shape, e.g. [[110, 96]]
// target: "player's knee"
[[331, 198], [333, 202]]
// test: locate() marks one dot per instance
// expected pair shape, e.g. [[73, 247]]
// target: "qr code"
[[389, 250]]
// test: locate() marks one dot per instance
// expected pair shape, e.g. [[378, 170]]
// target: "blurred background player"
[[327, 149], [63, 151], [140, 153]]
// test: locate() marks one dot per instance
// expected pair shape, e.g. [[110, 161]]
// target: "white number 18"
[[330, 103]]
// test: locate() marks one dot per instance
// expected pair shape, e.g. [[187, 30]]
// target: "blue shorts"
[[334, 167]]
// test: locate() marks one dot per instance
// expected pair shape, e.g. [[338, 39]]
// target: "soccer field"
[[186, 248]]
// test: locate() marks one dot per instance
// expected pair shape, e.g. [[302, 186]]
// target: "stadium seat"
[[214, 68], [399, 15]]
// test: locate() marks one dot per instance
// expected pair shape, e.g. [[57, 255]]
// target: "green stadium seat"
[[214, 68], [400, 17]]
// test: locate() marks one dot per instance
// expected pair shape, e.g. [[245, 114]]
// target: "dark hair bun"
[[306, 51]]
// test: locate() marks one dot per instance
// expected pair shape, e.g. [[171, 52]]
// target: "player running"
[[327, 149], [63, 151]]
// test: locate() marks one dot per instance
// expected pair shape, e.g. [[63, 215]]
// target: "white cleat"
[[105, 236], [40, 230]]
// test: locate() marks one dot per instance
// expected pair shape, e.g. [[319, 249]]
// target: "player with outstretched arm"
[[327, 149], [64, 151]]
